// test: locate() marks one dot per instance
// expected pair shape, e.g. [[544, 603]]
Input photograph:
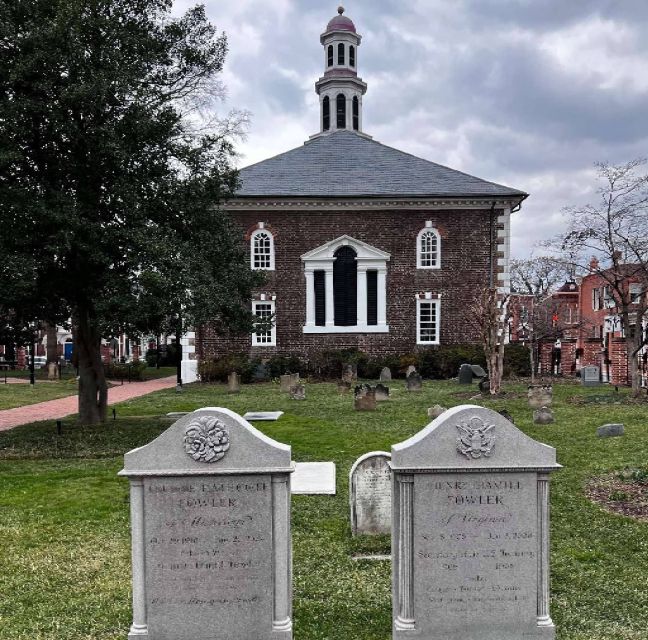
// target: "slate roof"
[[345, 164]]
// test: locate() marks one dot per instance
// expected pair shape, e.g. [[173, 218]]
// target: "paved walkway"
[[55, 409]]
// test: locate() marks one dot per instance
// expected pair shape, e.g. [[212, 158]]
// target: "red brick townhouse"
[[364, 245], [594, 335]]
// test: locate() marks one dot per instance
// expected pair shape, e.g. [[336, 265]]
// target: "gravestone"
[[478, 371], [610, 431], [382, 392], [298, 392], [470, 531], [343, 387], [370, 494], [260, 373], [52, 371], [436, 411], [544, 415], [414, 382], [591, 376], [364, 398], [540, 395], [466, 374], [410, 370], [288, 381], [350, 373], [263, 416], [210, 524], [233, 383], [385, 375]]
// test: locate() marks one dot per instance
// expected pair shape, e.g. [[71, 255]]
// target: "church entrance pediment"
[[363, 250]]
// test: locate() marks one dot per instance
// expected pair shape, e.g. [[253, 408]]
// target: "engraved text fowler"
[[476, 438], [206, 439]]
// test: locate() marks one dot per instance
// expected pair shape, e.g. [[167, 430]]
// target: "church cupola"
[[339, 89]]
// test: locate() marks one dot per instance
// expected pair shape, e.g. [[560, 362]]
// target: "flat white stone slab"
[[313, 478], [263, 416]]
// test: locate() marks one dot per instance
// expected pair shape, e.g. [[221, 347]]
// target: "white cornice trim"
[[365, 204]]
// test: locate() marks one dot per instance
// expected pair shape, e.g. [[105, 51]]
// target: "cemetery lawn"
[[20, 395], [65, 537]]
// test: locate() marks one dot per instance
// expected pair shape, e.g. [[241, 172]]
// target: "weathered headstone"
[[370, 494], [52, 371], [484, 385], [436, 411], [410, 370], [343, 387], [298, 392], [591, 376], [210, 524], [466, 374], [610, 431], [470, 533], [288, 381], [540, 395], [313, 478], [385, 375], [414, 382], [350, 373], [233, 383], [364, 398], [478, 371], [544, 415], [263, 416], [260, 373], [382, 392]]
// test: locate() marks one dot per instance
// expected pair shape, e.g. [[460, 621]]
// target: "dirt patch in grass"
[[622, 492]]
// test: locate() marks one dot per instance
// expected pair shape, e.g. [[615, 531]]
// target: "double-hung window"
[[262, 251], [265, 334], [428, 248], [428, 321]]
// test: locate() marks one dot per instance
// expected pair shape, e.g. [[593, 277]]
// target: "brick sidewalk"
[[55, 409]]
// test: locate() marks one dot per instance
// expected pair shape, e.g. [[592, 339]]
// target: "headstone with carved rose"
[[210, 525], [470, 531]]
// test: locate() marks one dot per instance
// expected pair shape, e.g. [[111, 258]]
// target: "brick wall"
[[464, 268]]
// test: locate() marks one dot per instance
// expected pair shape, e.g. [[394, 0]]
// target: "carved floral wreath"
[[206, 439]]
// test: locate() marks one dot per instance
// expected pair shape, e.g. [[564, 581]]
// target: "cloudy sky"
[[528, 93]]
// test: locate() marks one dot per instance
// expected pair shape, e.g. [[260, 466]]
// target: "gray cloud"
[[522, 92]]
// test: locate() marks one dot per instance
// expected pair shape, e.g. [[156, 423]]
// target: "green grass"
[[19, 395], [65, 551]]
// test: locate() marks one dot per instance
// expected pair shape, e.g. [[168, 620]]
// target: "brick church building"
[[364, 246]]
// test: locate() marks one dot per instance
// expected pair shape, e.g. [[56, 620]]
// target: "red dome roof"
[[341, 23]]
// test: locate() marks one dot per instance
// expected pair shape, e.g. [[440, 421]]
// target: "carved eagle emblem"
[[476, 438]]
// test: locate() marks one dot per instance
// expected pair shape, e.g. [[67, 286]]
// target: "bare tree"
[[489, 314], [539, 276], [615, 231]]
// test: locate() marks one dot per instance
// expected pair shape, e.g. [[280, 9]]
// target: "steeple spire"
[[339, 89]]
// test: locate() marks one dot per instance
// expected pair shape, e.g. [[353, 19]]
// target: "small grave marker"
[[370, 494], [591, 376], [414, 382], [385, 375]]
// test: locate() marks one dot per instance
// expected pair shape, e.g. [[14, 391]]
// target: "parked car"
[[39, 362]]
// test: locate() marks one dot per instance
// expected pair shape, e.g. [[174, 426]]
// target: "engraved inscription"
[[476, 438], [476, 548], [371, 496], [206, 439], [208, 550]]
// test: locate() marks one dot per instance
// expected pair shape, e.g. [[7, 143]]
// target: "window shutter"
[[345, 279], [372, 297], [320, 298]]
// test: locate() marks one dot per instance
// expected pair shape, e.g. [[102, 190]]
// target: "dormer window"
[[341, 54], [352, 56], [330, 53], [428, 248], [341, 111], [262, 250], [326, 113]]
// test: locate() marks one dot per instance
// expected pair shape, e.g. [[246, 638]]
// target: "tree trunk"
[[52, 344], [532, 360], [93, 390], [632, 349]]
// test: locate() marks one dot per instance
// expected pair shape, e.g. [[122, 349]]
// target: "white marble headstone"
[[210, 523], [370, 494], [470, 538]]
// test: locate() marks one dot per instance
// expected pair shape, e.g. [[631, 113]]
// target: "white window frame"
[[253, 237], [436, 303], [635, 289], [273, 332], [428, 229]]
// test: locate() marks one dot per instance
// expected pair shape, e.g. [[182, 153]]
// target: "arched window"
[[330, 53], [326, 113], [356, 113], [262, 251], [340, 102], [352, 56], [428, 248], [340, 53], [345, 278]]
